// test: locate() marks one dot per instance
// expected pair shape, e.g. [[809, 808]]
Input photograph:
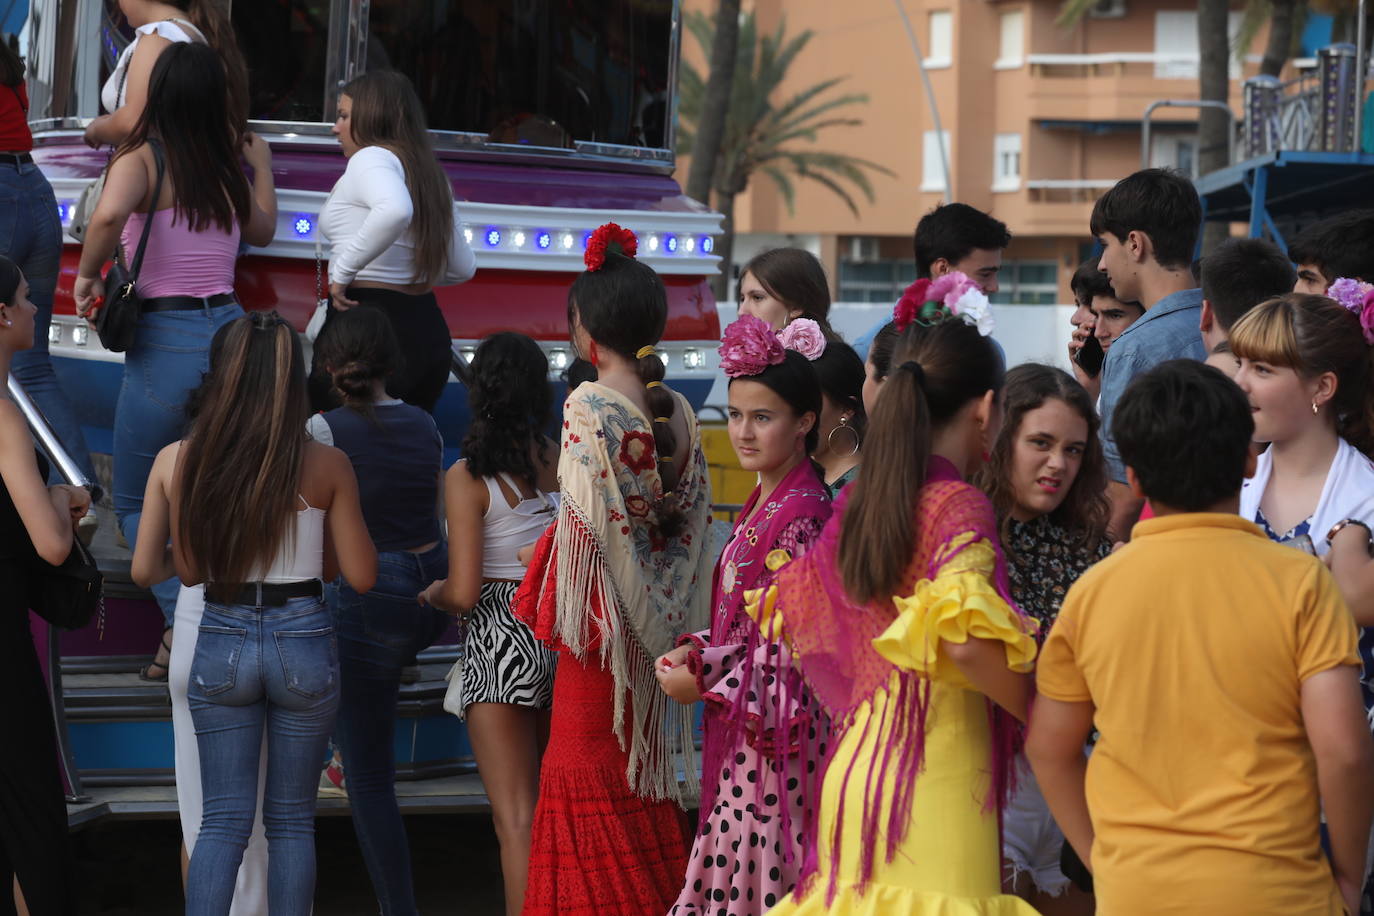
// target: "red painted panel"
[[532, 302]]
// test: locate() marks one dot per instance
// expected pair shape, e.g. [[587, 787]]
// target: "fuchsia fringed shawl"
[[833, 641]]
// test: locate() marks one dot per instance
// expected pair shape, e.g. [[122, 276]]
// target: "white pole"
[[1361, 71], [930, 97]]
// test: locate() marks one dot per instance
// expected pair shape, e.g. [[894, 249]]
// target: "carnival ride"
[[549, 120]]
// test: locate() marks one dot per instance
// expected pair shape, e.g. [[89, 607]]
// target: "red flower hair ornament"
[[609, 237]]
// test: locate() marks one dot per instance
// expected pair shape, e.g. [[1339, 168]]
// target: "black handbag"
[[69, 595], [117, 319]]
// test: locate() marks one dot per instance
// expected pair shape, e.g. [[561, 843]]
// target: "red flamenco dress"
[[596, 847]]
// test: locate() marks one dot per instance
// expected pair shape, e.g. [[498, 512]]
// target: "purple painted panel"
[[316, 169]]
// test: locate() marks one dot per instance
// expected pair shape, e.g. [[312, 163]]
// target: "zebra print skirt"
[[501, 661]]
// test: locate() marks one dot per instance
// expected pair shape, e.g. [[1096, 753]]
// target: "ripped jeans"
[[273, 668]]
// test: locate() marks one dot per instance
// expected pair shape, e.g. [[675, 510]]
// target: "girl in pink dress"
[[764, 735]]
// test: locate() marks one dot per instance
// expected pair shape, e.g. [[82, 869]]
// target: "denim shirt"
[[1168, 330]]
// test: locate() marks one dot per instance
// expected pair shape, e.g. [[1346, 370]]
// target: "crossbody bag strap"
[[137, 265]]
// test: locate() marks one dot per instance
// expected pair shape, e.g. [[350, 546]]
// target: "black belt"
[[15, 159], [182, 303], [275, 594]]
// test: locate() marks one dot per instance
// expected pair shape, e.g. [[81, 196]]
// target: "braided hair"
[[623, 306]]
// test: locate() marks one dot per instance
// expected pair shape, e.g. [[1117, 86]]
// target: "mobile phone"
[[1090, 356]]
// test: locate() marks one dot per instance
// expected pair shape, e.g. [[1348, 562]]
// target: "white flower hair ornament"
[[929, 302]]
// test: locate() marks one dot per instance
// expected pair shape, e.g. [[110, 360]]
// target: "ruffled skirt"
[[597, 848]]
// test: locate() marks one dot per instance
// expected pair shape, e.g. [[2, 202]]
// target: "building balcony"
[[1051, 207], [1114, 87]]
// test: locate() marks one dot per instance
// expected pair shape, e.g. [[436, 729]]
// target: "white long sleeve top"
[[366, 219]]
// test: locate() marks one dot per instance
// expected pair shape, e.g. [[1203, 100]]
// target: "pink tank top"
[[179, 262]]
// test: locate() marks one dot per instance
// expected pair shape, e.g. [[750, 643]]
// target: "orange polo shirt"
[[1193, 642]]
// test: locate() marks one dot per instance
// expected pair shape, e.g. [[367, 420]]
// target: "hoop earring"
[[844, 425]]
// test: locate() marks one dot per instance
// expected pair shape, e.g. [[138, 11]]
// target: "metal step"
[[462, 793]]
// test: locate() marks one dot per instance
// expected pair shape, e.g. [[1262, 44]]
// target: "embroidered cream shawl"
[[623, 589]]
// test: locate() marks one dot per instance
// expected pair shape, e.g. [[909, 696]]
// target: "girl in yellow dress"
[[899, 620]]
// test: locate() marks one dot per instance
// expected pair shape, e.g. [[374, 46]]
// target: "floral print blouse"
[[1043, 560]]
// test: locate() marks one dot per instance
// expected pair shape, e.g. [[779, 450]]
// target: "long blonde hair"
[[387, 113], [240, 470]]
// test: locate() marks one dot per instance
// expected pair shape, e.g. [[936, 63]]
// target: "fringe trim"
[[660, 728]]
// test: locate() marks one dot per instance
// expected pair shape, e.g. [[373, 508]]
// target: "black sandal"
[[145, 673]]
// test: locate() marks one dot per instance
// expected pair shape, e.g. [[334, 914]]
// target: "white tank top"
[[113, 93], [302, 557], [507, 528]]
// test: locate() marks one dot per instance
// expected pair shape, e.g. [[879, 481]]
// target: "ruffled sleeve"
[[959, 603]]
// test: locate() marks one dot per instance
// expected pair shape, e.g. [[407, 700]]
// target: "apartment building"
[[1037, 121]]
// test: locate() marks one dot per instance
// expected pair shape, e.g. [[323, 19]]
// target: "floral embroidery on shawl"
[[623, 590]]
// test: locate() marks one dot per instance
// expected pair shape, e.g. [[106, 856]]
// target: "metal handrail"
[[52, 447], [1186, 103]]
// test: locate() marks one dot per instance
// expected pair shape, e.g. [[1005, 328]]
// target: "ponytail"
[[662, 405], [878, 530], [936, 370], [623, 306]]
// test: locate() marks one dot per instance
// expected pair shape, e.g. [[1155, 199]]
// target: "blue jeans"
[[31, 237], [378, 634], [171, 353], [272, 667]]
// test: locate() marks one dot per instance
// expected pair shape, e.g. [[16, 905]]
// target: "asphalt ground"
[[132, 868]]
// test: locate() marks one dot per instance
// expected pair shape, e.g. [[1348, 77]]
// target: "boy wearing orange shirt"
[[1222, 673]]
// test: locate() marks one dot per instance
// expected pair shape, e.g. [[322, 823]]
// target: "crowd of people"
[[983, 639]]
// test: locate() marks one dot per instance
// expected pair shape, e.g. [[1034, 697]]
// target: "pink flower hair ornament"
[[1357, 297], [805, 336], [749, 346], [929, 302]]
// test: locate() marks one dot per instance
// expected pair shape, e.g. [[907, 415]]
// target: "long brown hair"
[[388, 113], [214, 24], [1085, 508], [795, 278], [11, 66], [1313, 335], [935, 371], [240, 470], [186, 112]]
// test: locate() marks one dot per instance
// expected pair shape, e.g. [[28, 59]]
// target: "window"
[[875, 281], [542, 74], [1170, 150], [941, 50], [1006, 162], [1027, 283], [932, 169], [1010, 53], [286, 46], [1176, 47]]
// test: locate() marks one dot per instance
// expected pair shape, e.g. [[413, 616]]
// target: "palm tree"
[[763, 136], [716, 103]]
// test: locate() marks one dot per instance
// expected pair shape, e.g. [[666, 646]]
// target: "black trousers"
[[33, 814], [425, 348]]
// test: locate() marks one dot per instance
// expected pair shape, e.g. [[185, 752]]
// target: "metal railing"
[[52, 447]]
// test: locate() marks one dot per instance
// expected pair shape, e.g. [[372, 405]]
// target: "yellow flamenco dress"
[[948, 861]]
